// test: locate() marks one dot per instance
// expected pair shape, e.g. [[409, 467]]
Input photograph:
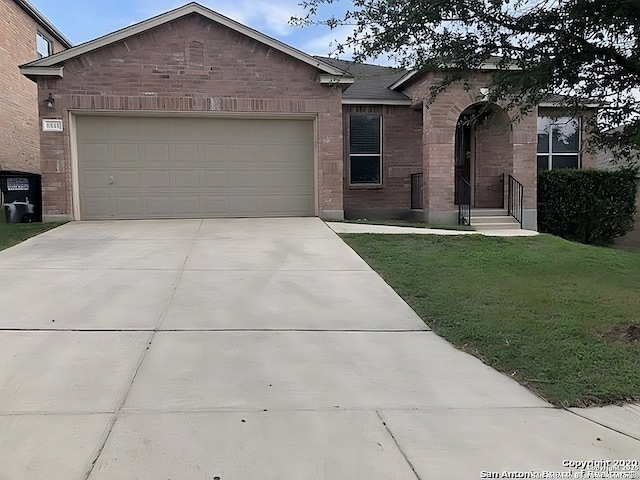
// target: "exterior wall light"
[[50, 101]]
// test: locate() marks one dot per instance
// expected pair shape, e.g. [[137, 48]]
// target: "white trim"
[[336, 79], [374, 101], [43, 22], [550, 154], [483, 67], [401, 81], [42, 71], [75, 159], [174, 15], [50, 49], [316, 167], [550, 104], [193, 114], [75, 168]]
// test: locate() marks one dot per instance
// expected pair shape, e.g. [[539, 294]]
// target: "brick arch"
[[465, 101]]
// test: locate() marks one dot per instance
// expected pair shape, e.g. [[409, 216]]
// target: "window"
[[44, 46], [558, 143], [365, 149]]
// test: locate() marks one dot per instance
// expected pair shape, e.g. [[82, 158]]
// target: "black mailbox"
[[21, 195]]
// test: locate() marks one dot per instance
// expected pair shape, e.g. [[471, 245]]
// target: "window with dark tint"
[[558, 143], [365, 149]]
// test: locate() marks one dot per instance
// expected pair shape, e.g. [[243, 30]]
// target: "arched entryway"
[[483, 154]]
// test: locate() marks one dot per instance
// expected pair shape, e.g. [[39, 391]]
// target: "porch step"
[[492, 219]]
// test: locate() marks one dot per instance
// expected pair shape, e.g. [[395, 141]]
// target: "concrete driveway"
[[247, 349]]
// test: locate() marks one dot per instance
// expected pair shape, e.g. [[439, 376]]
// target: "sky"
[[82, 20]]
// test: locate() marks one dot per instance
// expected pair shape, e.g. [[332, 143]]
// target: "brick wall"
[[493, 157], [401, 156], [19, 126], [190, 64], [440, 118]]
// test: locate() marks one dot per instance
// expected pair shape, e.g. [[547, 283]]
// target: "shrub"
[[588, 206]]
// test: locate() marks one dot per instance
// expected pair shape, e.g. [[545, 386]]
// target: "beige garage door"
[[152, 167]]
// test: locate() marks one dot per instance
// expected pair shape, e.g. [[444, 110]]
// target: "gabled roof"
[[52, 65], [490, 64], [44, 23], [371, 83]]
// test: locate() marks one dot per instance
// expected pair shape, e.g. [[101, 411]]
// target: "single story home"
[[191, 115]]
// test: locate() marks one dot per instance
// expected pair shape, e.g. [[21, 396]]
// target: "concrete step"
[[492, 219], [495, 226], [489, 212]]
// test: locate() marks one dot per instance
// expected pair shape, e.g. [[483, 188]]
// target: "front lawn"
[[13, 233], [561, 318]]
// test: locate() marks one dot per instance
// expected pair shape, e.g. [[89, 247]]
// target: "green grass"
[[409, 223], [561, 318], [13, 233]]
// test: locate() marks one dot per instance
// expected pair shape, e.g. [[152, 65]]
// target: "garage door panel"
[[215, 205], [215, 178], [185, 155], [243, 179], [95, 154], [186, 180], [155, 179], [92, 128], [244, 205], [187, 205], [273, 204], [241, 156], [159, 129], [155, 154], [195, 167], [126, 179], [125, 154], [215, 155], [121, 128], [92, 180], [126, 206], [293, 131], [157, 206], [280, 179], [97, 206]]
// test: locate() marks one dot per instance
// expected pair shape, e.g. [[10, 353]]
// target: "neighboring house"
[[191, 114], [25, 35]]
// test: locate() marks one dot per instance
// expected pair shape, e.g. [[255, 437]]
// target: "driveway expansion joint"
[[404, 455], [608, 427]]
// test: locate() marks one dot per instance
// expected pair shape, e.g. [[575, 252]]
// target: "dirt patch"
[[625, 333]]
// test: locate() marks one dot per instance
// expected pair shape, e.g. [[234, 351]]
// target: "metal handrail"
[[417, 187], [515, 199], [463, 193]]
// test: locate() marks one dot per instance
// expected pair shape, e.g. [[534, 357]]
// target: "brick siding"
[[191, 64], [401, 156], [440, 118], [19, 126]]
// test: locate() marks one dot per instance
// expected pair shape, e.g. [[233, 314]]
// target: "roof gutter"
[[34, 72], [42, 20], [376, 101]]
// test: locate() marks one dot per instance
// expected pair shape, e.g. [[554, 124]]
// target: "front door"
[[463, 153]]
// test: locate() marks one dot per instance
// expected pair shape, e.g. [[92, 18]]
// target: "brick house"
[[191, 114], [25, 35]]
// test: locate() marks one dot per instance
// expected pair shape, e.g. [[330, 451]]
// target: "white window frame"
[[379, 155], [46, 38], [550, 154]]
